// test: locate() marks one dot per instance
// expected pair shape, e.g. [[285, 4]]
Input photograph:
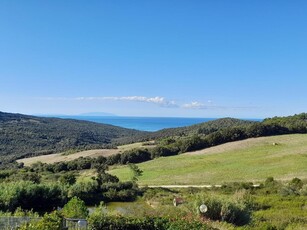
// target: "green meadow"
[[282, 157]]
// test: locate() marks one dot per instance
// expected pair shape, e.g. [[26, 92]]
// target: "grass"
[[73, 154], [58, 157], [249, 160], [282, 212], [148, 144]]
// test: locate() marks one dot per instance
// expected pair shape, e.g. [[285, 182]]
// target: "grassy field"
[[58, 157], [283, 157]]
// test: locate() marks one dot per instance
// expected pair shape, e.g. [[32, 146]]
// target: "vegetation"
[[102, 221], [235, 204], [49, 193], [247, 160], [53, 221], [202, 128], [75, 208], [24, 136]]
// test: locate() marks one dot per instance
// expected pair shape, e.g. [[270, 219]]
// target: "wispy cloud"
[[194, 105], [199, 105], [161, 101]]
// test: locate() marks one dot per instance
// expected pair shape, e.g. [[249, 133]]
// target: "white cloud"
[[194, 105], [161, 101], [199, 105]]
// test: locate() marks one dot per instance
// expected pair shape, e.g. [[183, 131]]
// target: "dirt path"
[[189, 186], [183, 186]]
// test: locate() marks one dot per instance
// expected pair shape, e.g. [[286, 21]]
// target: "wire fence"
[[75, 224], [13, 222]]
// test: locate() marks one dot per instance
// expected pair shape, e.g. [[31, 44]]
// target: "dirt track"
[[188, 186]]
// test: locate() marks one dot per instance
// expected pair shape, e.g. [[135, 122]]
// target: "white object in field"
[[203, 208]]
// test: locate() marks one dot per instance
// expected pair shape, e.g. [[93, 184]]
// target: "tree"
[[137, 172], [68, 178], [75, 208]]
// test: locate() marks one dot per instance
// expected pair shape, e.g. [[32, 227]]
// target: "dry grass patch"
[[58, 157]]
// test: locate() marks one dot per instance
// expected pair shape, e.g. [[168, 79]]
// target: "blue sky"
[[154, 58]]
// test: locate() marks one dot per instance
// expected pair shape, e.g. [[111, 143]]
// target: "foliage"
[[68, 178], [122, 191], [294, 187], [75, 208], [24, 136], [137, 172], [88, 191], [278, 212], [236, 210], [28, 195], [52, 221], [99, 221]]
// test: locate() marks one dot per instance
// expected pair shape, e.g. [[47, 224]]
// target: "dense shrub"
[[236, 210], [292, 188], [135, 156], [28, 195], [163, 151], [122, 191], [75, 208], [88, 191], [52, 221], [102, 221]]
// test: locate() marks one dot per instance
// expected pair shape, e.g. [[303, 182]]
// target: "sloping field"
[[58, 157], [252, 160]]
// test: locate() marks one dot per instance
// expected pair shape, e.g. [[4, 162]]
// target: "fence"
[[74, 224], [13, 222]]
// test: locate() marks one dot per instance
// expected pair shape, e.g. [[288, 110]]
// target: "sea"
[[144, 123]]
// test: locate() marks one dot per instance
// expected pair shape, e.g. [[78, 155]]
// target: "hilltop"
[[23, 135], [203, 128]]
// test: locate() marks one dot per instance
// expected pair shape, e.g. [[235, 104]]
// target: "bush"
[[135, 156], [303, 190], [236, 210], [88, 191], [50, 221], [99, 221], [28, 195], [122, 191], [68, 178], [75, 208]]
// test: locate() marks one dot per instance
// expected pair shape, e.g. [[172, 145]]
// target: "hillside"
[[73, 155], [203, 128], [23, 135], [253, 159]]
